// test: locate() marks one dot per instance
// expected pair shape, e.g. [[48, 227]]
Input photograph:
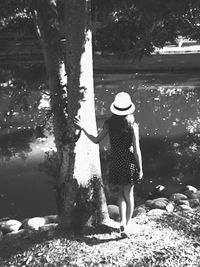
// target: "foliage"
[[129, 27], [136, 27], [15, 19], [15, 145], [51, 167], [185, 152], [21, 93]]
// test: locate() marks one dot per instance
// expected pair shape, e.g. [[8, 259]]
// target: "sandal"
[[124, 234]]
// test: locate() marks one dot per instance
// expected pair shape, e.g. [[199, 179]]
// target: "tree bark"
[[50, 42], [79, 186], [80, 93]]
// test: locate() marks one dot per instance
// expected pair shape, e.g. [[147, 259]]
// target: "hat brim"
[[122, 112]]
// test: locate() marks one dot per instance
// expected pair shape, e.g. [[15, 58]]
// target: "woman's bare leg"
[[129, 198], [122, 206]]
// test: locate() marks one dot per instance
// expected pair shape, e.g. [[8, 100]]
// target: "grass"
[[157, 238]]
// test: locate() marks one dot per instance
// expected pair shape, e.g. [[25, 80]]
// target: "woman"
[[126, 161]]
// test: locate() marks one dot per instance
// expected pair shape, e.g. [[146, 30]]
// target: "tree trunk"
[[50, 42], [79, 186], [86, 169]]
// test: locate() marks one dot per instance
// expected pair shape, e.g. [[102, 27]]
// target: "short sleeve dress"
[[123, 168]]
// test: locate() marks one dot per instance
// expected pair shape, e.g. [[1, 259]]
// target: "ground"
[[157, 238]]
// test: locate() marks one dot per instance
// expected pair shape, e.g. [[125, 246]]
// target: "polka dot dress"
[[123, 167]]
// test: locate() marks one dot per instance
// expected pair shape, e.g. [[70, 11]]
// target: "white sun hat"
[[122, 104]]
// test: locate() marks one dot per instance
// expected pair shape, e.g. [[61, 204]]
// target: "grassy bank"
[[157, 239]]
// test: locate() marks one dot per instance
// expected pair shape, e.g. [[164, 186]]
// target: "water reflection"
[[161, 109], [24, 189], [23, 143], [16, 144]]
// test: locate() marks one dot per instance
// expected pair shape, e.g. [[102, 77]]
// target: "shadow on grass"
[[12, 247], [92, 241], [100, 234]]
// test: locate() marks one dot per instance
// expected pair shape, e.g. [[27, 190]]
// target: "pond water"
[[167, 110]]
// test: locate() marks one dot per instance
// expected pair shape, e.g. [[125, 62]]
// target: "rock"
[[198, 194], [192, 195], [139, 210], [113, 212], [10, 226], [34, 223], [158, 203], [149, 203], [189, 194], [51, 218], [194, 202], [170, 207], [185, 207], [159, 191], [183, 202], [1, 235], [161, 199], [48, 227], [195, 195], [190, 188], [14, 235], [178, 196], [189, 191]]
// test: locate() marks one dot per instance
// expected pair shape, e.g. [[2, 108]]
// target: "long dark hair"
[[121, 124]]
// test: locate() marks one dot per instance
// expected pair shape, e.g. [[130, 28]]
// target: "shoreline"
[[152, 63]]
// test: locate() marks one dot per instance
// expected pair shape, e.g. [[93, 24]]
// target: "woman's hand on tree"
[[78, 123]]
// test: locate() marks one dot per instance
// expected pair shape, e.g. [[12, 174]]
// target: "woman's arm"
[[96, 139], [136, 146]]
